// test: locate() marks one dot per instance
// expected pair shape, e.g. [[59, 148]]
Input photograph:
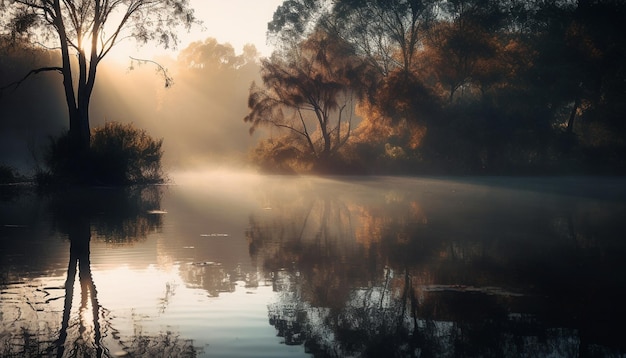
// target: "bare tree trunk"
[[327, 142], [322, 118], [76, 142], [78, 111], [82, 128]]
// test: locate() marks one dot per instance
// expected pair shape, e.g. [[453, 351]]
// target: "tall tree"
[[385, 33], [310, 94], [85, 32], [462, 45], [388, 33], [581, 59]]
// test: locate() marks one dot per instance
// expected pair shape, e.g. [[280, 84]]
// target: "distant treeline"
[[204, 106], [371, 86], [446, 87]]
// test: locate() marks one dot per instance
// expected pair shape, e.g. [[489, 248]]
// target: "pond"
[[241, 265]]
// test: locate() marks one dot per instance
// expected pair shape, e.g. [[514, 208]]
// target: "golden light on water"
[[130, 301], [221, 274]]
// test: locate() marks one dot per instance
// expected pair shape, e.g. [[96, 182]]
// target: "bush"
[[119, 154], [123, 154]]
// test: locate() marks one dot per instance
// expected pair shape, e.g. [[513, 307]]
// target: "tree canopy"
[[311, 94], [85, 32], [470, 86]]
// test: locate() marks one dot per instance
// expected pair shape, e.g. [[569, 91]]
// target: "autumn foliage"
[[451, 87]]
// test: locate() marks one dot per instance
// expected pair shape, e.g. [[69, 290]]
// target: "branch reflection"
[[403, 273], [116, 216]]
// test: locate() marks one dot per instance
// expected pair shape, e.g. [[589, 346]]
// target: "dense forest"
[[478, 87], [444, 86]]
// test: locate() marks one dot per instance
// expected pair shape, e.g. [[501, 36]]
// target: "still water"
[[237, 265]]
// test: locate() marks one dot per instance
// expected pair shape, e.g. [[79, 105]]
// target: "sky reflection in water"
[[245, 265]]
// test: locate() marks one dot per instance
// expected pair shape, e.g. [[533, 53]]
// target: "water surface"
[[243, 265]]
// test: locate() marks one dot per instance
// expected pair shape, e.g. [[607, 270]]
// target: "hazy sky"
[[208, 113], [237, 22]]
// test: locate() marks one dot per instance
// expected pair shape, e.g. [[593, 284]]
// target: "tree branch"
[[169, 81], [17, 83]]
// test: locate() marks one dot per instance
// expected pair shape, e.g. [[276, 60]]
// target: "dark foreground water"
[[232, 265]]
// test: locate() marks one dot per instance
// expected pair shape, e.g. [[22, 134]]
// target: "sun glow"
[[85, 48], [238, 22]]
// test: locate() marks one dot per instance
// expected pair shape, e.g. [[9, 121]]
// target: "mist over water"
[[220, 260], [230, 262]]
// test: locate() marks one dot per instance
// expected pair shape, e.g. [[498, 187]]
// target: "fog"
[[30, 112], [200, 117]]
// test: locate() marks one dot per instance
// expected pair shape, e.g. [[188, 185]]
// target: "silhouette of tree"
[[482, 86], [294, 20], [310, 94], [406, 273], [581, 62], [386, 33], [87, 31], [463, 42], [120, 217]]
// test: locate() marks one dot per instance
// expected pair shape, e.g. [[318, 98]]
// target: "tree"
[[463, 44], [309, 94], [582, 58], [385, 33], [486, 85], [89, 30], [388, 33], [214, 56]]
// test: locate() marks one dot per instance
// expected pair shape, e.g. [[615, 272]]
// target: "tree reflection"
[[166, 344], [119, 216], [209, 276], [89, 326], [397, 274]]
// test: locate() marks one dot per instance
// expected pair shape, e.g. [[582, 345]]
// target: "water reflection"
[[118, 216], [209, 276], [274, 266], [442, 268]]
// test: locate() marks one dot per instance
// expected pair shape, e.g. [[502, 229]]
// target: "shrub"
[[123, 154], [119, 154]]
